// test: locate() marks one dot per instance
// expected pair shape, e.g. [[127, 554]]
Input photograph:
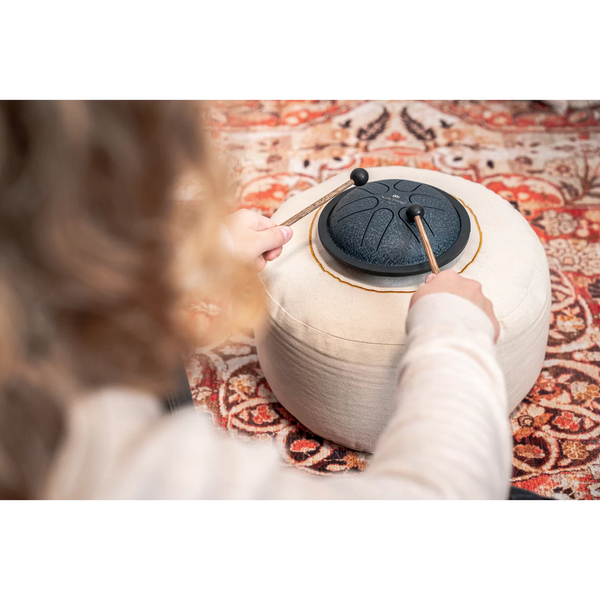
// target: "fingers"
[[262, 222], [256, 238], [251, 220], [272, 238], [454, 283], [273, 254], [258, 264]]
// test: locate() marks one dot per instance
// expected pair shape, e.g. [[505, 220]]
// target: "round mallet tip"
[[359, 176], [415, 210]]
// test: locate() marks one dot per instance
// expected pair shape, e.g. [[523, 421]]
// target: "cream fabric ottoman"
[[333, 336]]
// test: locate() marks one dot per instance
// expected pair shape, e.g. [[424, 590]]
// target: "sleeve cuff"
[[449, 312]]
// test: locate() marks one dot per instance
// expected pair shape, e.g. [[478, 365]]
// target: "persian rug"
[[545, 163]]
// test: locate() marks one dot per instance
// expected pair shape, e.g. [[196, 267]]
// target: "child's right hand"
[[256, 239], [453, 283]]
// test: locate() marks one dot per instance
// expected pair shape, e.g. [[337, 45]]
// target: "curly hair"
[[97, 259]]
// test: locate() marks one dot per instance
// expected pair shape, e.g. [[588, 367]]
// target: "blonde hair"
[[98, 259]]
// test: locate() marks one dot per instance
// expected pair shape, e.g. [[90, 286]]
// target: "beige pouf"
[[333, 336]]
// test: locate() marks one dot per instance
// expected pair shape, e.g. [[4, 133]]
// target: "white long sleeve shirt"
[[449, 437]]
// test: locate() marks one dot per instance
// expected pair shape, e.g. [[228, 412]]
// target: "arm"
[[450, 435], [449, 438]]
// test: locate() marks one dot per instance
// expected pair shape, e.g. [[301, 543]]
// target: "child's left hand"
[[256, 239]]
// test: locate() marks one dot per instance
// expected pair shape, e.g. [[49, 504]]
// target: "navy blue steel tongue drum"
[[370, 227]]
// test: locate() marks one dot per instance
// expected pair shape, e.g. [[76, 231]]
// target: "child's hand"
[[256, 239], [453, 283]]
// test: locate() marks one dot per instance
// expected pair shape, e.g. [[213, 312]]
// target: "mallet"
[[415, 212], [358, 177]]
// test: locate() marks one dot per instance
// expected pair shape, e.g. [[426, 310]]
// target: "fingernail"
[[287, 233], [429, 277]]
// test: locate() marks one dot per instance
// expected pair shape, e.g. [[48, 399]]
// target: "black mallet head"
[[359, 176], [413, 211]]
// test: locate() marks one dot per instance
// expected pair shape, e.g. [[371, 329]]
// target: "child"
[[96, 260]]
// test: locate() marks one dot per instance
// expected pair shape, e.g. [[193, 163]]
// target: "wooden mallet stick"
[[415, 212], [358, 177]]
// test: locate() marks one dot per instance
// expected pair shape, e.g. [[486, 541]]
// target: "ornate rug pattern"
[[544, 163]]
